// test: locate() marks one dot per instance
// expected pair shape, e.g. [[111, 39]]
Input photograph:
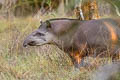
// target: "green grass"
[[32, 63], [35, 63]]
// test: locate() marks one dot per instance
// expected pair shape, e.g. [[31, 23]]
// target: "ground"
[[33, 63]]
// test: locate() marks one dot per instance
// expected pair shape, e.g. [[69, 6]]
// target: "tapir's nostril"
[[25, 44]]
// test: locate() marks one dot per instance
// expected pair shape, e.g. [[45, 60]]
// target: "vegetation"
[[36, 63], [32, 63]]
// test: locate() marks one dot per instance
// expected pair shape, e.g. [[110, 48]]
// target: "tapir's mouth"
[[34, 43]]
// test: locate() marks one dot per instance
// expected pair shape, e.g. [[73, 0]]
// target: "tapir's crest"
[[73, 34]]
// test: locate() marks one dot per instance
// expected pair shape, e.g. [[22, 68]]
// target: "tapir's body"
[[73, 35]]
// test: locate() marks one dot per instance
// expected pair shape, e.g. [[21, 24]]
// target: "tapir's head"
[[43, 35]]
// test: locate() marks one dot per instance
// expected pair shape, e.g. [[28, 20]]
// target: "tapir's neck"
[[66, 40], [64, 31], [64, 46]]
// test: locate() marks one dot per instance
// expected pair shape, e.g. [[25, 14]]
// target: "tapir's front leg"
[[78, 58]]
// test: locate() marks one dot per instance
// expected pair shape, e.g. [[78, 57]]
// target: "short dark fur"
[[74, 35]]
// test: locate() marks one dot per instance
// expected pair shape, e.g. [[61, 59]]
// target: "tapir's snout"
[[25, 44], [33, 40], [30, 43]]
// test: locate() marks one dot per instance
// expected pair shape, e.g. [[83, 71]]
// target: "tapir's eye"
[[39, 34]]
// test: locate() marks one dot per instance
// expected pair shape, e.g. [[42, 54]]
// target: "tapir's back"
[[102, 32], [93, 32], [60, 26]]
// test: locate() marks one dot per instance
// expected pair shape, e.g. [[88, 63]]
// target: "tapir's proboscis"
[[76, 37]]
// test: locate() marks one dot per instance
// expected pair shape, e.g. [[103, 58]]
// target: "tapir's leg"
[[78, 56], [116, 53], [78, 59]]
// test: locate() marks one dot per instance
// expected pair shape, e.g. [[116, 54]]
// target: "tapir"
[[75, 37]]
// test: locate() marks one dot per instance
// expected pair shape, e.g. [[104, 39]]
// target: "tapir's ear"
[[41, 21], [48, 24]]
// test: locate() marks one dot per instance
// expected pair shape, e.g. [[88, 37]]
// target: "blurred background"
[[18, 18], [36, 8]]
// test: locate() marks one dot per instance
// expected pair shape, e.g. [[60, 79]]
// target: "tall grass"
[[32, 63], [36, 63]]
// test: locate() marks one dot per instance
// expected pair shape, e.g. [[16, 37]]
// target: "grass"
[[32, 63], [35, 63]]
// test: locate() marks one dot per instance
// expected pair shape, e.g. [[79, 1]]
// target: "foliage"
[[32, 63]]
